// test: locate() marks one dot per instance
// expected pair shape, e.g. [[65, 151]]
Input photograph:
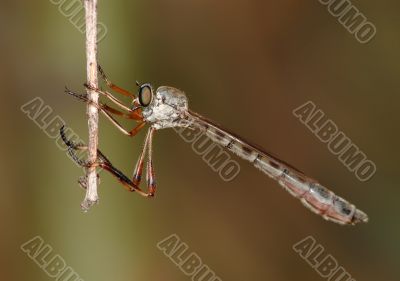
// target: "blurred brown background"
[[245, 64]]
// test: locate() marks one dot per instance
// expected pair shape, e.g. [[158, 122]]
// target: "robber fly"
[[167, 107]]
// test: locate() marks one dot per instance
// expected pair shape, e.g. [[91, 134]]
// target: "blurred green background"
[[245, 64]]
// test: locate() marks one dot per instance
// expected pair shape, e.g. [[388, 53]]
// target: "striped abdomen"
[[314, 196]]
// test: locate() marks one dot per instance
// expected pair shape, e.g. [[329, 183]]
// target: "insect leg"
[[130, 133], [102, 162], [113, 86], [106, 110], [137, 173], [134, 113], [151, 181], [84, 98]]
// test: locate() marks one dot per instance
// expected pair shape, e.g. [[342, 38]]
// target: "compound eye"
[[145, 95]]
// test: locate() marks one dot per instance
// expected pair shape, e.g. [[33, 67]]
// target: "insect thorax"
[[168, 108]]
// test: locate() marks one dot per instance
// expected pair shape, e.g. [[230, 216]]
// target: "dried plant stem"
[[92, 112]]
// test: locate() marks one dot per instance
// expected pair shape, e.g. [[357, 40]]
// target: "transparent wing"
[[314, 196]]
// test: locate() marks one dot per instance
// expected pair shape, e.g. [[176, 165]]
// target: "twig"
[[92, 112]]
